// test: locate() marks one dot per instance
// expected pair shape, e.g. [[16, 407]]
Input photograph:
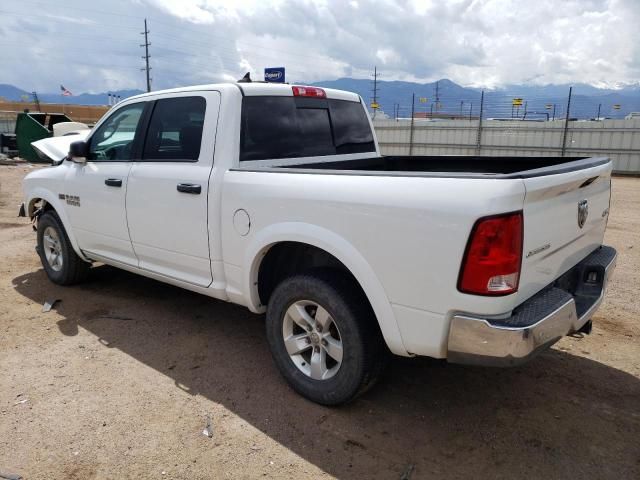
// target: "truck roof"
[[255, 89]]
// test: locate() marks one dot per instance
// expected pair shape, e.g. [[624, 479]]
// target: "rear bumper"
[[558, 310]]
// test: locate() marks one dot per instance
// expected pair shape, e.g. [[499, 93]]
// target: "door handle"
[[113, 182], [189, 188]]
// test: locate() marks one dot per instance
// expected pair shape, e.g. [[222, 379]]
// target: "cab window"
[[286, 127], [113, 140], [175, 130]]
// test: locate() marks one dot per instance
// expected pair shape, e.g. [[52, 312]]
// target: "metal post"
[[479, 135], [554, 111], [471, 111], [375, 90], [413, 108], [566, 124], [598, 116], [36, 101]]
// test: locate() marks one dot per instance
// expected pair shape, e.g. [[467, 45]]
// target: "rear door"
[[167, 190], [565, 216]]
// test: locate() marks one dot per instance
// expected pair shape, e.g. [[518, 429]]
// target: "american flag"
[[65, 92]]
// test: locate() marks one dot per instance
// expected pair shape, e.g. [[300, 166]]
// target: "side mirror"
[[78, 152]]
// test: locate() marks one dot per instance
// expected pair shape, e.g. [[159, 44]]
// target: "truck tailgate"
[[565, 216]]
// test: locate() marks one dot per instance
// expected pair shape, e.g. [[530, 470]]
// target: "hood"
[[55, 149]]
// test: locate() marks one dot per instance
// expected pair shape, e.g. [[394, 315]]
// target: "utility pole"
[[375, 91], [566, 124], [437, 96], [146, 54], [479, 134], [413, 110], [598, 116]]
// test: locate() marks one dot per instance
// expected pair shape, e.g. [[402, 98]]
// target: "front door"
[[168, 188], [95, 192]]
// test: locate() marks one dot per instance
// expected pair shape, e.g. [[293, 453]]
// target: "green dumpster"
[[32, 126]]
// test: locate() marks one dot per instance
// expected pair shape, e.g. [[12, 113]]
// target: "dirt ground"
[[118, 379]]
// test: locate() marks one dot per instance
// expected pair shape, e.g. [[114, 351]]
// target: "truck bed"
[[437, 166]]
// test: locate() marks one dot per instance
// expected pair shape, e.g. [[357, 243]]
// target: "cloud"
[[94, 47], [65, 18]]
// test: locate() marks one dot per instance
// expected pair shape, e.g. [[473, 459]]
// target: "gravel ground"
[[118, 379]]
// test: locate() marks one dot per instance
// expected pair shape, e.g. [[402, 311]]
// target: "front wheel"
[[60, 261], [324, 337]]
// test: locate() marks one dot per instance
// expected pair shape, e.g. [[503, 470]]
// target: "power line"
[[227, 55], [239, 43], [301, 60], [146, 54]]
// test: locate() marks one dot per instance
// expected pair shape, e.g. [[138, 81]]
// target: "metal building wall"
[[617, 139]]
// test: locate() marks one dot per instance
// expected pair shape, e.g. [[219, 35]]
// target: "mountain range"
[[15, 94], [537, 101], [395, 97]]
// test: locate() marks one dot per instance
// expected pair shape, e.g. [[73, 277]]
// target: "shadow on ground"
[[561, 416]]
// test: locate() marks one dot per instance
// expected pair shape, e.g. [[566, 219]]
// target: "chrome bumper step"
[[560, 309]]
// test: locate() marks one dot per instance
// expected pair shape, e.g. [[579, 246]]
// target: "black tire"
[[364, 351], [73, 269]]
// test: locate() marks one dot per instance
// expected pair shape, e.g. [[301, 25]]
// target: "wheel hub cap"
[[52, 248], [312, 339]]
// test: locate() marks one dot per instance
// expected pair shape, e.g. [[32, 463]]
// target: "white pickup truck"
[[276, 197]]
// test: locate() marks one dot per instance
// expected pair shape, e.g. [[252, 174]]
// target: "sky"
[[95, 46]]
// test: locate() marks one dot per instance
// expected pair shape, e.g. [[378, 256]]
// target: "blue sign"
[[274, 75]]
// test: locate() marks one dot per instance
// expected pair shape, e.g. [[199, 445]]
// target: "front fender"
[[52, 199], [341, 249]]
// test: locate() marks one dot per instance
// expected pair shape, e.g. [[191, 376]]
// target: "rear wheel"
[[324, 337], [60, 261]]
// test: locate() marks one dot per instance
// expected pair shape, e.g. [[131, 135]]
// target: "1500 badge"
[[72, 200], [538, 250]]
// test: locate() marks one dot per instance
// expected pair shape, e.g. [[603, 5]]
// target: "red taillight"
[[491, 264], [314, 92]]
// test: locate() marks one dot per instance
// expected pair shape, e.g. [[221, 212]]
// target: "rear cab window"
[[279, 127]]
